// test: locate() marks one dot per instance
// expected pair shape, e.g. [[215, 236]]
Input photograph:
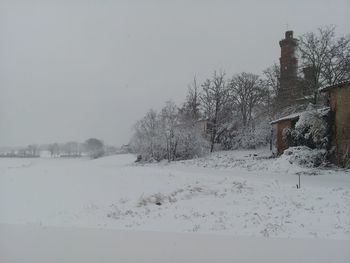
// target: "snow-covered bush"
[[305, 156], [247, 138], [147, 140], [310, 130], [190, 142], [162, 135]]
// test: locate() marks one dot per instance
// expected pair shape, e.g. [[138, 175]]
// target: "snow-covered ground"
[[240, 193], [32, 243]]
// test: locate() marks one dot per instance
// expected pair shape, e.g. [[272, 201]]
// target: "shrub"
[[247, 137], [311, 130], [305, 156]]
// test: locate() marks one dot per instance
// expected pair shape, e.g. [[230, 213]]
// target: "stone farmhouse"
[[294, 93]]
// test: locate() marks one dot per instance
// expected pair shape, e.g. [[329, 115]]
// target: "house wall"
[[280, 143], [340, 107]]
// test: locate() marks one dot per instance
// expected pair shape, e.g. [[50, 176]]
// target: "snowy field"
[[218, 208], [24, 243], [232, 193]]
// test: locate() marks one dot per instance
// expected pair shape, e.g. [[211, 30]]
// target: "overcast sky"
[[70, 70]]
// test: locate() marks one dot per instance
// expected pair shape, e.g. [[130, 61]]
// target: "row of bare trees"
[[210, 113], [232, 104], [93, 147], [235, 111]]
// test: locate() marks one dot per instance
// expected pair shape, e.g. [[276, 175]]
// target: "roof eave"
[[334, 86]]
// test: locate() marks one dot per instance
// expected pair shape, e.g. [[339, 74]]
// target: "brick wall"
[[280, 143], [288, 90], [340, 106]]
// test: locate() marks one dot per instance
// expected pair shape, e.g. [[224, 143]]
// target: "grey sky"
[[70, 70]]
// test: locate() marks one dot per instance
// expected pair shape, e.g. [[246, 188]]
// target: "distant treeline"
[[16, 155], [92, 147]]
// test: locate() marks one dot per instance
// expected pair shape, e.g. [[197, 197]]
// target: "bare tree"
[[271, 80], [54, 149], [214, 99], [51, 149], [191, 108], [33, 150], [327, 56], [71, 148], [247, 91], [169, 121], [337, 66]]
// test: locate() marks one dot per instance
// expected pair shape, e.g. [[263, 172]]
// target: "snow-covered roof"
[[337, 85], [306, 98], [202, 119], [296, 115], [288, 117]]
